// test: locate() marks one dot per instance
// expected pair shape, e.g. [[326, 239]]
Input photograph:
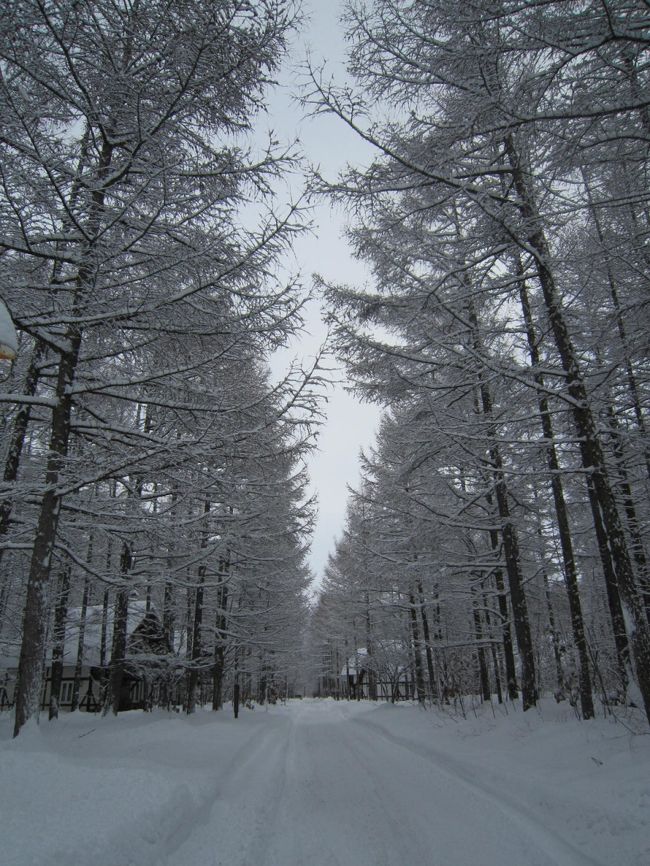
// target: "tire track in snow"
[[200, 814], [546, 839], [408, 844], [309, 787]]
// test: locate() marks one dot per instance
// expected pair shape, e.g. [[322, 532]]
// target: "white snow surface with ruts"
[[326, 783]]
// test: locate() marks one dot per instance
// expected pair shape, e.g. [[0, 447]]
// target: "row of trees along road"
[[498, 534], [145, 450]]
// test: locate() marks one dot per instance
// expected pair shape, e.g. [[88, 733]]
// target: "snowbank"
[[585, 782], [111, 791]]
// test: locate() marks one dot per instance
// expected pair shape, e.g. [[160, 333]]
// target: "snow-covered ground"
[[316, 783]]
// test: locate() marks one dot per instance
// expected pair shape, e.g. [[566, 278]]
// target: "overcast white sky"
[[327, 143]]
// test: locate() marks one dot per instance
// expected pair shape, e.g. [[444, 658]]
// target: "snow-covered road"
[[321, 787], [320, 783]]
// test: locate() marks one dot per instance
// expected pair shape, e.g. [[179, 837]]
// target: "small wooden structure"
[[147, 660]]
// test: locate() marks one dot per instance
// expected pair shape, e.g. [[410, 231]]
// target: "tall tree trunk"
[[60, 618], [561, 511], [611, 590], [235, 688], [32, 652], [169, 606], [17, 442], [516, 584], [417, 651], [484, 677], [120, 626], [372, 675], [495, 656], [103, 642], [620, 324], [433, 686], [30, 668], [593, 458], [504, 616], [508, 534], [23, 415], [168, 612], [76, 686], [555, 638], [104, 628], [197, 625], [629, 509]]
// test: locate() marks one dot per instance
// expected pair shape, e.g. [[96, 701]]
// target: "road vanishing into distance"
[[322, 786]]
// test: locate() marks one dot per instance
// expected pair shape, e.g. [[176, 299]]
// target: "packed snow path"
[[322, 786], [320, 783]]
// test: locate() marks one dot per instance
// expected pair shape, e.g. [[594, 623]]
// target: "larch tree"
[[139, 243], [503, 121]]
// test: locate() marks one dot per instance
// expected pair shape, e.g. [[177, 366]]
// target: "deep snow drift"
[[325, 782]]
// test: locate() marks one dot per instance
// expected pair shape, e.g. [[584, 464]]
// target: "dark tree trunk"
[[433, 686], [561, 512], [196, 656], [620, 326], [219, 645], [30, 668], [32, 652], [484, 677], [197, 651], [508, 532], [506, 634], [611, 591], [517, 594], [169, 606], [555, 638], [217, 678], [235, 688], [120, 624], [60, 617], [76, 687], [21, 422], [417, 653], [496, 662], [104, 628], [509, 536], [168, 613], [593, 458], [629, 508], [372, 676]]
